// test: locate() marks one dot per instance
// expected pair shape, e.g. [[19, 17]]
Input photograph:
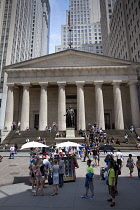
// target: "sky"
[[57, 18]]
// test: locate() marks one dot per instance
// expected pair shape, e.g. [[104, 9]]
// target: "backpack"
[[38, 172]]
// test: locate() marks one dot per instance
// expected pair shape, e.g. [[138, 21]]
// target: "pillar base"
[[70, 132]]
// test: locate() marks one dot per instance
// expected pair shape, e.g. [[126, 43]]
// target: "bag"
[[126, 164], [50, 180], [38, 172], [119, 172]]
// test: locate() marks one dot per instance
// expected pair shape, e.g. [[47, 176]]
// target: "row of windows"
[[80, 16], [78, 1], [78, 27]]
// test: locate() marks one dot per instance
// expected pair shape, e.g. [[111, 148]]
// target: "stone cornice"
[[67, 68]]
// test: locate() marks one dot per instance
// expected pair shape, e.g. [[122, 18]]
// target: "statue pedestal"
[[70, 132]]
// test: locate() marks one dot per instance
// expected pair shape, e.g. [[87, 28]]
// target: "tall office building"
[[124, 36], [82, 30], [40, 28], [24, 34], [106, 8]]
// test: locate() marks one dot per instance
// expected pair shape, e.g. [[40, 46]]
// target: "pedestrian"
[[27, 140], [119, 156], [89, 180], [55, 173], [111, 183], [95, 155], [12, 152], [47, 164], [40, 177], [138, 138], [61, 171], [19, 125], [98, 154], [86, 153], [32, 168], [130, 164], [126, 138], [138, 166], [16, 148]]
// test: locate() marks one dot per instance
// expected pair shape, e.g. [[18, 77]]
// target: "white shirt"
[[119, 155], [12, 149]]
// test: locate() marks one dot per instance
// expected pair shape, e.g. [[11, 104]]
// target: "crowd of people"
[[44, 169], [111, 171]]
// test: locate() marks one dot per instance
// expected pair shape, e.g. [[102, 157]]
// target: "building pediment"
[[71, 58]]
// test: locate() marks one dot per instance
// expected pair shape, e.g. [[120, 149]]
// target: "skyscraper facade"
[[124, 35], [82, 30], [40, 28], [24, 34], [106, 8]]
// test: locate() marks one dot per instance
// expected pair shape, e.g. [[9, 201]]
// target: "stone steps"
[[13, 138]]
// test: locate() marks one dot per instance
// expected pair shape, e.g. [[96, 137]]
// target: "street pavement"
[[15, 189]]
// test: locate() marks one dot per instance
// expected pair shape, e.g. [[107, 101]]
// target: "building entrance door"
[[36, 121], [107, 120]]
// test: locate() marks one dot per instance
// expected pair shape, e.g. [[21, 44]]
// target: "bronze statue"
[[70, 117]]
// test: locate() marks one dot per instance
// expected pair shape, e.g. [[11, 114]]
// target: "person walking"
[[55, 173], [86, 153], [16, 148], [95, 155], [111, 183], [61, 171], [40, 177], [119, 156], [138, 166], [130, 164], [12, 152], [89, 180]]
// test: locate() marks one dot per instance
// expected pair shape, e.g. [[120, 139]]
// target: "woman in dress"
[[55, 174], [130, 164]]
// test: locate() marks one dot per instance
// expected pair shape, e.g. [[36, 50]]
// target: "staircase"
[[119, 134], [50, 138]]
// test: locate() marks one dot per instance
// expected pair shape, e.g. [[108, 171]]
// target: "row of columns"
[[81, 124]]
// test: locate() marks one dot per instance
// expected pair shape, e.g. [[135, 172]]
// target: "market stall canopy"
[[32, 144], [68, 144]]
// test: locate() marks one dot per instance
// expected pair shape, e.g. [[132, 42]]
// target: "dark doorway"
[[107, 120], [36, 121]]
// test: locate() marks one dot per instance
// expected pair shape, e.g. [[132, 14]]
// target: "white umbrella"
[[68, 144], [33, 144]]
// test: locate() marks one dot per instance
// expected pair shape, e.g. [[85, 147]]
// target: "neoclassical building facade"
[[100, 89]]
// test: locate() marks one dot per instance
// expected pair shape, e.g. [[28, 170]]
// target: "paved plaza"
[[15, 190]]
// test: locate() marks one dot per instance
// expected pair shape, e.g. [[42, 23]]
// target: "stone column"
[[25, 107], [9, 107], [61, 106], [81, 124], [118, 111], [99, 105], [43, 111], [134, 104]]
